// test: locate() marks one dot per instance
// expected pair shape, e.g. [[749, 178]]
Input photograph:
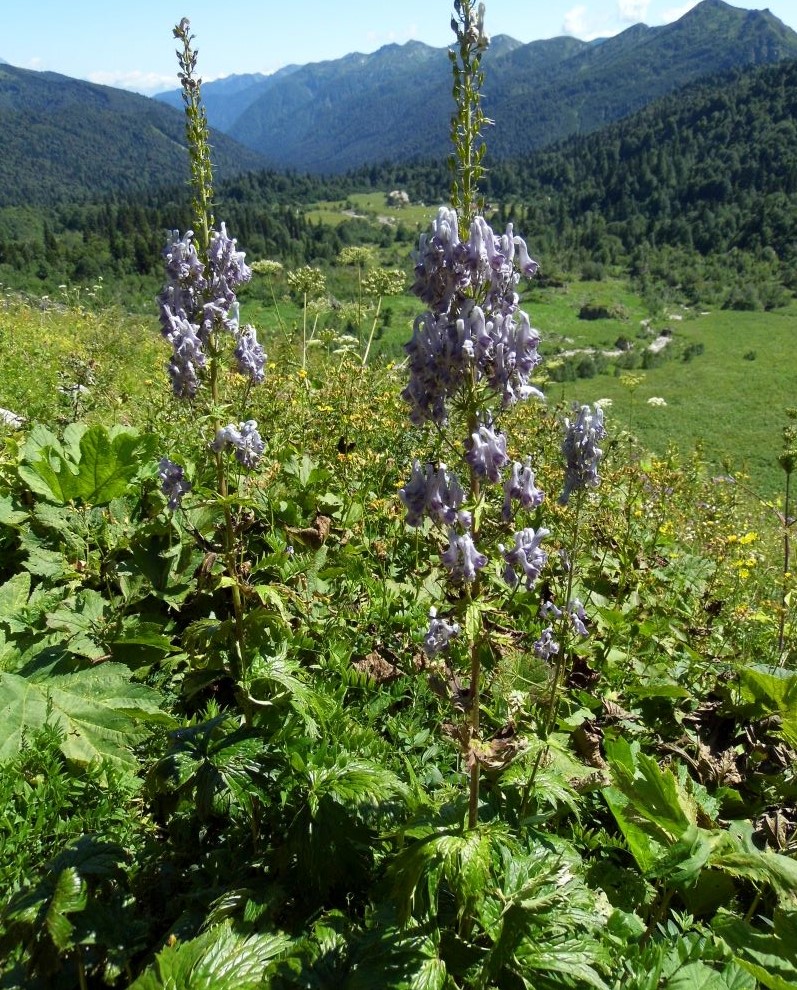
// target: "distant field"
[[372, 206], [730, 398]]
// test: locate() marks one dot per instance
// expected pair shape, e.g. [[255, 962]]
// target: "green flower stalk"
[[199, 314]]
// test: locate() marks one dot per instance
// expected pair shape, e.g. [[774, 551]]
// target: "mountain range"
[[395, 104], [63, 139]]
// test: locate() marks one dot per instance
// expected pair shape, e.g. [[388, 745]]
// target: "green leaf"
[[660, 805], [770, 956], [14, 596], [772, 694], [697, 976], [69, 897], [95, 466], [99, 711], [218, 959]]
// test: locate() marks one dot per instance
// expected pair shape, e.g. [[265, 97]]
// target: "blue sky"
[[130, 44]]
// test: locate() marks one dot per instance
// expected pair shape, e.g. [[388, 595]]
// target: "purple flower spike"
[[437, 493], [487, 453], [581, 451], [439, 635], [520, 485], [250, 356], [462, 560], [527, 556], [546, 646], [245, 439], [173, 482], [578, 617]]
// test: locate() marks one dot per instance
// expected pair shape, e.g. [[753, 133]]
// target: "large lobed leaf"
[[93, 465], [100, 712]]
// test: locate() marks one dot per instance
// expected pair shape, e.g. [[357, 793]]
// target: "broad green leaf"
[[95, 466], [660, 805], [14, 596], [107, 464], [773, 693], [218, 959], [100, 712], [697, 976], [79, 619], [69, 897], [771, 956], [9, 516]]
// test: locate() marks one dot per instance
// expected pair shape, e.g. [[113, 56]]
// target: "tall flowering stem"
[[467, 123], [199, 312], [470, 359], [197, 134]]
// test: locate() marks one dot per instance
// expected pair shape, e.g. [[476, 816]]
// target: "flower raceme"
[[197, 301], [244, 439], [473, 324], [173, 482], [581, 451]]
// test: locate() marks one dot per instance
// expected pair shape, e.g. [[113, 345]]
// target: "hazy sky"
[[130, 45]]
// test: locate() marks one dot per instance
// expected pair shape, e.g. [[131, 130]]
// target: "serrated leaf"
[[99, 711], [95, 466], [218, 959], [772, 694], [9, 516], [14, 596], [69, 897], [696, 976]]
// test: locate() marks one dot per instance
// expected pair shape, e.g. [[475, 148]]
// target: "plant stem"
[[786, 556]]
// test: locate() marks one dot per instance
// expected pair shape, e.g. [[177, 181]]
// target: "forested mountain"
[[395, 104], [711, 169], [65, 140], [227, 99]]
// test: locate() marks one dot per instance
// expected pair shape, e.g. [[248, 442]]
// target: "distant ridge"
[[63, 139], [395, 104]]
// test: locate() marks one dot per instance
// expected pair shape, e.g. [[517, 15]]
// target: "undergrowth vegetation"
[[318, 671]]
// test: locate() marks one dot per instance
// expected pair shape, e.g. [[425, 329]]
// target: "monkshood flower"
[[550, 608], [199, 298], [188, 356], [439, 635], [520, 485], [581, 451], [526, 559], [546, 646], [446, 267], [244, 438], [501, 350], [173, 482], [435, 492], [486, 453], [462, 560], [250, 356], [578, 617]]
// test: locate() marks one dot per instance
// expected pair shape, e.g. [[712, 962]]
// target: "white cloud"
[[675, 13], [575, 21], [140, 82], [580, 24], [633, 11]]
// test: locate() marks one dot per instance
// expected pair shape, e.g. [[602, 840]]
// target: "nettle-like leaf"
[[92, 465], [773, 692], [218, 959], [46, 918], [769, 956], [99, 711]]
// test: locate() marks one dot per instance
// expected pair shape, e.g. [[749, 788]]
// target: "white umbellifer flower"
[[656, 400]]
